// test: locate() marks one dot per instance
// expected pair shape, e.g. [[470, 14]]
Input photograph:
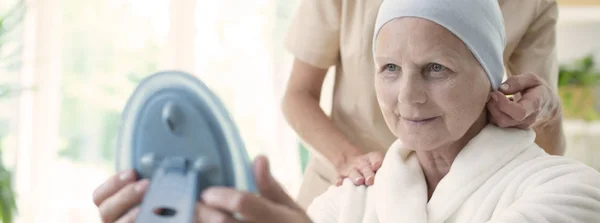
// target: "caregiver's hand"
[[360, 169], [117, 197], [534, 102], [272, 205]]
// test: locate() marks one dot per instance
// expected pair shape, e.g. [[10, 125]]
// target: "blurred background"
[[67, 68]]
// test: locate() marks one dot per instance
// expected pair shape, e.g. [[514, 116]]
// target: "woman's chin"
[[420, 143], [424, 139]]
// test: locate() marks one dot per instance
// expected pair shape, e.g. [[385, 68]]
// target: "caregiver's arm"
[[303, 112], [536, 53], [313, 39], [566, 192]]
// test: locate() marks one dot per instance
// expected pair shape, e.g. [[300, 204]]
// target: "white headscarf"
[[478, 23]]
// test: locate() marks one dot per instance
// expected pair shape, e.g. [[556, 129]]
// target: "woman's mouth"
[[418, 120]]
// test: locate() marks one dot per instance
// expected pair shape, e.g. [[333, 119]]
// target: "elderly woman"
[[438, 63]]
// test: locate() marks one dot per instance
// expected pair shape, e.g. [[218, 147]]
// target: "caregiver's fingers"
[[531, 101], [205, 214], [498, 117], [520, 83], [356, 177], [130, 216], [268, 186], [368, 174], [253, 208], [128, 197], [112, 185], [376, 159], [492, 120], [513, 109], [516, 97], [528, 122]]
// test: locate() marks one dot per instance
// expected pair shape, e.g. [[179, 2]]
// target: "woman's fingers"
[[207, 214], [112, 186], [252, 207], [130, 216], [115, 206], [269, 187]]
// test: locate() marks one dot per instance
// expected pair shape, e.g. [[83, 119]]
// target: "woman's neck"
[[436, 163]]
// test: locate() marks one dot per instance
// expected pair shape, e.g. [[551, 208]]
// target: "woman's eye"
[[391, 67], [434, 67]]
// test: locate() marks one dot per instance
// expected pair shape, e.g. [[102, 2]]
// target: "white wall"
[[576, 40], [578, 32]]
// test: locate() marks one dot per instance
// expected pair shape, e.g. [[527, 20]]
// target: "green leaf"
[[581, 72], [9, 22]]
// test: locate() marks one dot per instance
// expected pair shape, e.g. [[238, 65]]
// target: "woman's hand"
[[118, 197], [534, 102], [271, 206], [360, 169]]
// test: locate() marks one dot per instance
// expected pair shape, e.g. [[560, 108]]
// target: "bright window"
[[86, 57]]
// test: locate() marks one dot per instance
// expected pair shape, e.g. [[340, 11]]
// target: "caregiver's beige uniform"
[[501, 175], [338, 33]]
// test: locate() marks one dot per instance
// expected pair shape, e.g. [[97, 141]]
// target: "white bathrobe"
[[500, 176]]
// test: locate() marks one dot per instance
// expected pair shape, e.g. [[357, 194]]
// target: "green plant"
[[8, 204], [577, 82], [9, 23], [582, 72]]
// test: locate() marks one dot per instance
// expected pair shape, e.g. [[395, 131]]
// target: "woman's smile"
[[418, 121]]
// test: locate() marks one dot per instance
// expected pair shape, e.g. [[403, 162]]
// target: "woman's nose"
[[412, 90]]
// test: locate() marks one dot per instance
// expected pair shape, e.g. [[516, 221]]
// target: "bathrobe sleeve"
[[569, 192], [325, 207], [346, 203]]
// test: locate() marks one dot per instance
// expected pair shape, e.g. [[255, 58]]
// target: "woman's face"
[[430, 88]]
